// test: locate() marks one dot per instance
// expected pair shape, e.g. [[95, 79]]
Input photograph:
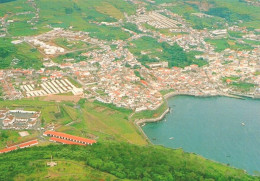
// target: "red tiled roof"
[[65, 141], [64, 135], [29, 143], [8, 149]]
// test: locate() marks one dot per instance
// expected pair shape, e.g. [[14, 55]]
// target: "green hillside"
[[110, 160]]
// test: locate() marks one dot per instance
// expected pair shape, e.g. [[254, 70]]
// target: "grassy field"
[[70, 45], [106, 123], [65, 170], [243, 86], [12, 137], [164, 92], [222, 44], [106, 8], [151, 114]]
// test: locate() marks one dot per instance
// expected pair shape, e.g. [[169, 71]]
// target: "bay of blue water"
[[212, 127]]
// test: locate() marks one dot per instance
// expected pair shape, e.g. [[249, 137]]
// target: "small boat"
[[143, 125], [154, 138], [171, 138], [243, 124]]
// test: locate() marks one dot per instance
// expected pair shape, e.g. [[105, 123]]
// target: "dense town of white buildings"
[[104, 76]]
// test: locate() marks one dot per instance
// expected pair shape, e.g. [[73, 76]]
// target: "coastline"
[[138, 122]]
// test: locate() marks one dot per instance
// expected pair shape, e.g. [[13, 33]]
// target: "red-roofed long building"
[[28, 144], [68, 139], [54, 139], [12, 148], [22, 145]]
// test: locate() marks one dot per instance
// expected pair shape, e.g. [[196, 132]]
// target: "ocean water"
[[212, 127]]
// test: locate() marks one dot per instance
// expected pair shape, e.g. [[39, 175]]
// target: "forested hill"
[[113, 161]]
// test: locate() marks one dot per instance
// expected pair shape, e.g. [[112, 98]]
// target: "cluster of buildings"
[[57, 137], [48, 49], [8, 90], [19, 83], [157, 20], [49, 87], [19, 119]]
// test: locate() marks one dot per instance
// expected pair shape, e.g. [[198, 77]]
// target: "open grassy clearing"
[[148, 114], [222, 44], [106, 8], [65, 170], [12, 137]]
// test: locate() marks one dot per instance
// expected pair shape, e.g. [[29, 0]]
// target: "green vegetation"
[[243, 86], [206, 22], [235, 34], [175, 55], [147, 114], [106, 121], [257, 73], [74, 82], [232, 78], [8, 137], [81, 15], [139, 162], [18, 56], [112, 106], [71, 45], [132, 27], [65, 170], [252, 42], [235, 10], [229, 15], [137, 74], [14, 6], [11, 137], [235, 82], [5, 1], [222, 44], [110, 10], [73, 55], [164, 92]]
